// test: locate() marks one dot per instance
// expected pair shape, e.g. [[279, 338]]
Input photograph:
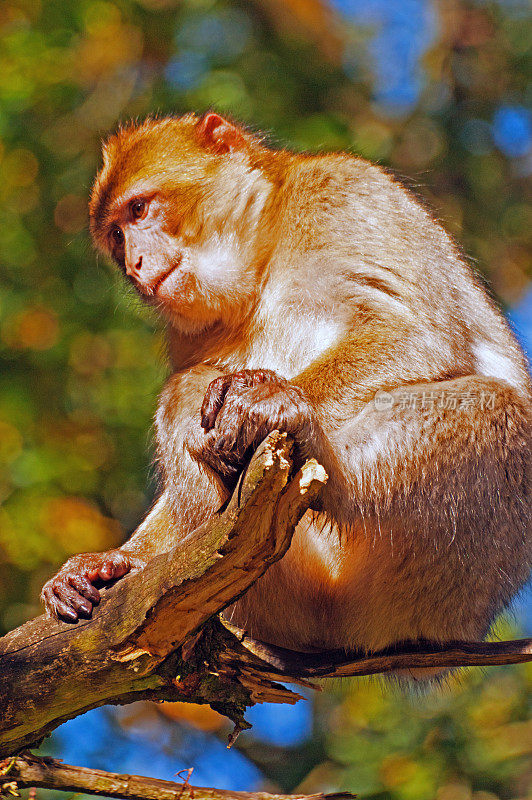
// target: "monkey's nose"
[[132, 271]]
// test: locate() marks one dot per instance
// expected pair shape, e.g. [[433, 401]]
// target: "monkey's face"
[[177, 215], [137, 239], [189, 268]]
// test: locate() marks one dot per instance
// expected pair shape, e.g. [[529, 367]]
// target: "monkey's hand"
[[238, 412], [71, 594]]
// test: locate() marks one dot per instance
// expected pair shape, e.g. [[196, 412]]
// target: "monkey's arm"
[[72, 593], [188, 498], [320, 407], [381, 355], [241, 408], [154, 535]]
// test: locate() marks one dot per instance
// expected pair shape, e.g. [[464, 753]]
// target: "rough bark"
[[29, 771], [132, 648], [156, 634]]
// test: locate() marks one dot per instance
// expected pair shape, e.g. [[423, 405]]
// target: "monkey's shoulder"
[[358, 205]]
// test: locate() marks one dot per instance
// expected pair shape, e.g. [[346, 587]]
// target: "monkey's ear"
[[218, 134]]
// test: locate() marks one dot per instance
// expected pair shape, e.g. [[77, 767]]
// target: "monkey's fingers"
[[241, 425], [112, 566], [214, 400], [62, 600], [67, 593], [225, 463], [226, 444], [84, 587], [222, 458], [56, 608], [217, 391]]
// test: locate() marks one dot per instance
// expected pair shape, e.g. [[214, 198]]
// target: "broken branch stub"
[[156, 635], [129, 650]]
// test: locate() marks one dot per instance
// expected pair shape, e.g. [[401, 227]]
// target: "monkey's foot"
[[71, 594]]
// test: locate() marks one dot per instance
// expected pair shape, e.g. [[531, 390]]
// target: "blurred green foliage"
[[471, 741], [82, 363]]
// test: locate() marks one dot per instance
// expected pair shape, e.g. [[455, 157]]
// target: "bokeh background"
[[439, 90]]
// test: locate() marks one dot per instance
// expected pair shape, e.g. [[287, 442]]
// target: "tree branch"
[[405, 656], [156, 634], [139, 643], [27, 771]]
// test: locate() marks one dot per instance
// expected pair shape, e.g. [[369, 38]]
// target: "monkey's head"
[[177, 205]]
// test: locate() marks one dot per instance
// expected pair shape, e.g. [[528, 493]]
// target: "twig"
[[278, 661], [156, 634], [131, 649], [49, 773]]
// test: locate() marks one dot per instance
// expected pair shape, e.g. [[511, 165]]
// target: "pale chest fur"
[[288, 333]]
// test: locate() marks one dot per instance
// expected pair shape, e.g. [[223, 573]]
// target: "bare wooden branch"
[[157, 634], [281, 663], [130, 650], [25, 771]]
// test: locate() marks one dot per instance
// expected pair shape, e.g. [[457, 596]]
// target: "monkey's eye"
[[117, 235], [138, 209]]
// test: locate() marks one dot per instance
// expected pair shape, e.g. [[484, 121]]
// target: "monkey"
[[316, 295]]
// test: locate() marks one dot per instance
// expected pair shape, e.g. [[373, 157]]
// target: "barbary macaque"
[[315, 295]]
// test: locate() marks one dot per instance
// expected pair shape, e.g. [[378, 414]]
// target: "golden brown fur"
[[344, 314]]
